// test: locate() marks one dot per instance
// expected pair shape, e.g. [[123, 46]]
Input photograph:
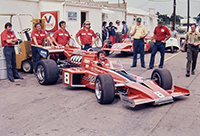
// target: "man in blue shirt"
[[111, 31], [124, 30], [104, 31]]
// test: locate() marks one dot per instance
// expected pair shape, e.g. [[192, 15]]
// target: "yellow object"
[[42, 21], [24, 54]]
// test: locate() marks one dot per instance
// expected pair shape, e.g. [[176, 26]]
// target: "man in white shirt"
[[118, 32]]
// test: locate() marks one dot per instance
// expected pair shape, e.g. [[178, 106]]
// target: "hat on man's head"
[[160, 20], [117, 21], [139, 19]]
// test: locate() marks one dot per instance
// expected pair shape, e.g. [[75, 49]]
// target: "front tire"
[[104, 89], [163, 78], [47, 72]]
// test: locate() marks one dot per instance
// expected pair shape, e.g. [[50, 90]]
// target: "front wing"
[[134, 100]]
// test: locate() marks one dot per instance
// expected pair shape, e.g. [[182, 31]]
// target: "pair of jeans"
[[158, 46], [85, 47], [192, 54], [138, 43], [10, 55], [36, 56]]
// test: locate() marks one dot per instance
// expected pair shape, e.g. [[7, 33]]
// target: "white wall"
[[16, 6], [94, 16], [113, 15]]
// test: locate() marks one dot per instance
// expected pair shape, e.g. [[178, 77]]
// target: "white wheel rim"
[[98, 90], [40, 72], [26, 66]]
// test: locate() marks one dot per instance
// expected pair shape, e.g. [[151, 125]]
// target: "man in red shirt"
[[61, 37], [161, 35], [86, 35], [8, 40], [38, 35]]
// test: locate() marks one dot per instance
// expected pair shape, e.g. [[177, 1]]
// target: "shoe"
[[192, 72], [149, 68], [11, 80], [143, 66], [18, 78], [187, 74], [160, 67], [133, 66]]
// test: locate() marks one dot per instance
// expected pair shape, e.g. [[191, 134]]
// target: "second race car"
[[126, 46]]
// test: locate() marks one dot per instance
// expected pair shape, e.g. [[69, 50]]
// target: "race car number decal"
[[159, 94], [76, 59], [66, 77]]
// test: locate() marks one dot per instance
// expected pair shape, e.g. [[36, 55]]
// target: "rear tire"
[[151, 43], [108, 45], [172, 49], [104, 89], [27, 66], [47, 72], [163, 78]]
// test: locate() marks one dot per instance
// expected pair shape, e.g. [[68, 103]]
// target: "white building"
[[95, 12]]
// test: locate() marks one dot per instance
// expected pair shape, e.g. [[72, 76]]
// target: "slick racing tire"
[[108, 45], [151, 43], [27, 66], [163, 78], [104, 89], [47, 72], [172, 49]]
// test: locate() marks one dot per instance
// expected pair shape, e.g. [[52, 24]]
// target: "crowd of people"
[[88, 37], [115, 32]]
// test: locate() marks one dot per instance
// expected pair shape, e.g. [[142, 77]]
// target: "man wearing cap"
[[118, 32], [161, 35], [139, 32], [193, 39]]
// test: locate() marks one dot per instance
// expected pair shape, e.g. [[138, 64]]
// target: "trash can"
[[3, 68]]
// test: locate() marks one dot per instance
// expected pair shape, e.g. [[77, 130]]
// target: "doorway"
[[83, 17]]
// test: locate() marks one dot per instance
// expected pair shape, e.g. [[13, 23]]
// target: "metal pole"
[[188, 15], [118, 3], [174, 14]]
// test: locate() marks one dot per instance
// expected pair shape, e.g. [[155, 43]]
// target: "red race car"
[[84, 70], [126, 46]]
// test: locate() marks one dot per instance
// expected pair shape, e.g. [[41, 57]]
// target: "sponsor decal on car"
[[90, 78]]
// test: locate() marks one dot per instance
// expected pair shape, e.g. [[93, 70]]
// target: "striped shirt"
[[192, 37]]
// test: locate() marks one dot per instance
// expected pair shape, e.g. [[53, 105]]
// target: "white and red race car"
[[83, 69], [126, 46]]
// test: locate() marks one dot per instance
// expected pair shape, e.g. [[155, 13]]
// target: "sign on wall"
[[51, 20], [72, 16]]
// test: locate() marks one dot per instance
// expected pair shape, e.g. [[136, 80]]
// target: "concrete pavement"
[[27, 108]]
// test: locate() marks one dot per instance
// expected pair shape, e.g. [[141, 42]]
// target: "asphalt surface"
[[29, 109]]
